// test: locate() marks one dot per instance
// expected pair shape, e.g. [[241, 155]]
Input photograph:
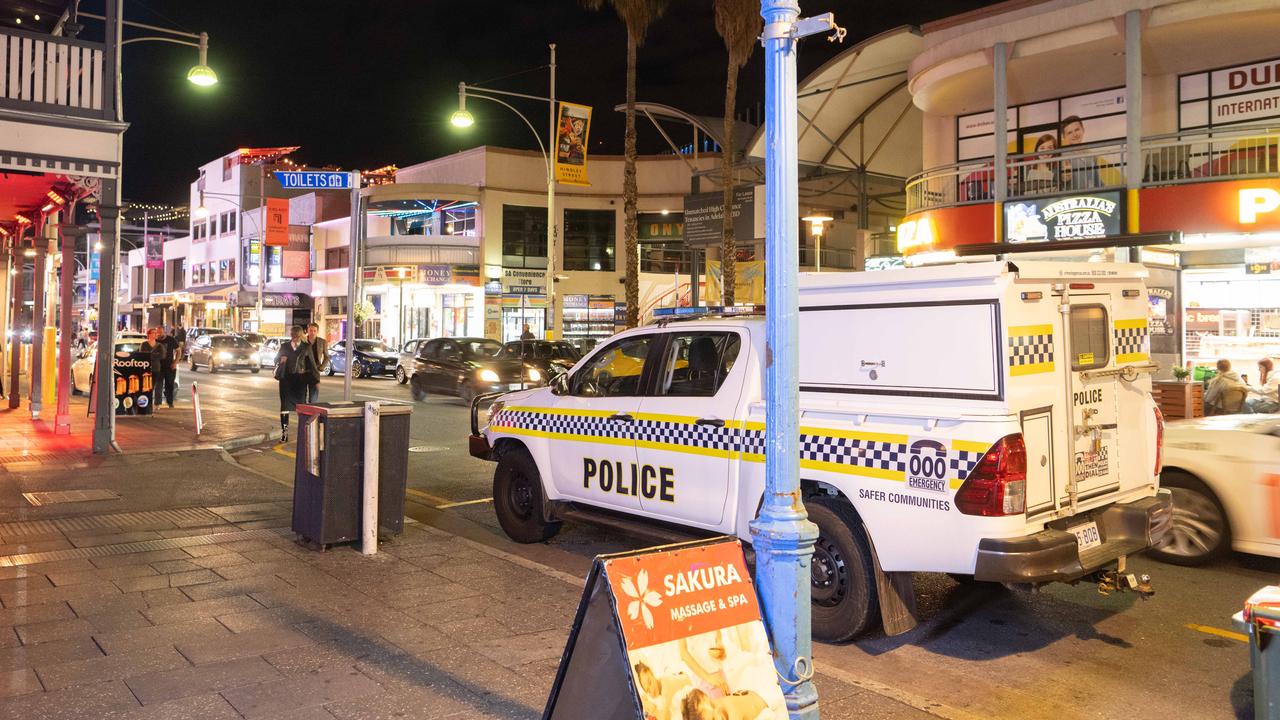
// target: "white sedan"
[[1224, 473], [82, 367]]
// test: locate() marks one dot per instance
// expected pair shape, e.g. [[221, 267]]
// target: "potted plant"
[[1181, 374]]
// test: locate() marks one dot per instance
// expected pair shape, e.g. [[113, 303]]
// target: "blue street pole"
[[782, 535]]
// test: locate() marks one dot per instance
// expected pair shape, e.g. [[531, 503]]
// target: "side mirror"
[[560, 384]]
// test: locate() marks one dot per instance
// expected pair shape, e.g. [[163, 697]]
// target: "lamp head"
[[202, 75], [462, 119]]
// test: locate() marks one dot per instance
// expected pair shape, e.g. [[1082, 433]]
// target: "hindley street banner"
[[572, 130]]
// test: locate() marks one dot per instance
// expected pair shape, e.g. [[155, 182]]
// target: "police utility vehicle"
[[990, 419]]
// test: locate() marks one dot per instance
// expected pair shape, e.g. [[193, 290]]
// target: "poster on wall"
[[668, 633], [1077, 119], [1074, 217], [277, 214], [154, 249], [1230, 95], [748, 285], [704, 217], [572, 132]]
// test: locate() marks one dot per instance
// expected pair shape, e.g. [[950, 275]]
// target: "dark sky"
[[365, 83]]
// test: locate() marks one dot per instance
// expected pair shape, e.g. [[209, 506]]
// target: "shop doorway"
[[514, 320]]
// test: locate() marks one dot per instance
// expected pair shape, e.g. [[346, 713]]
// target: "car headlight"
[[489, 376], [534, 375], [224, 355]]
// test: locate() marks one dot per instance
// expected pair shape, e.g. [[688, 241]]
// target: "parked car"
[[268, 351], [408, 351], [255, 339], [1224, 473], [371, 358], [83, 366], [551, 358], [223, 352], [467, 367]]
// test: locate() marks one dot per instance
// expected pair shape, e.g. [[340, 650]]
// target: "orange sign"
[[1211, 207], [672, 595], [277, 230], [947, 228]]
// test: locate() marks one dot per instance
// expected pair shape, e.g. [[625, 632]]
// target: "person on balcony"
[[1043, 175], [1079, 173]]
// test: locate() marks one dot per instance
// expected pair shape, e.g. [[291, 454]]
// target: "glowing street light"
[[462, 118]]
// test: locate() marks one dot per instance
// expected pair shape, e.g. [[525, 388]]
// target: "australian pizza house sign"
[[1077, 217]]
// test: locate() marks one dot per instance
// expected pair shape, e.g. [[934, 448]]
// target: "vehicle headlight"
[[489, 376], [534, 375], [224, 355]]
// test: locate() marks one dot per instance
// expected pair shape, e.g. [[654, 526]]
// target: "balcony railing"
[[1239, 153], [62, 76]]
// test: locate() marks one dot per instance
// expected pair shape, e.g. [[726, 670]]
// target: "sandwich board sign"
[[668, 632]]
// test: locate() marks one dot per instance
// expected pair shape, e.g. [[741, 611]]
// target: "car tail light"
[[997, 485], [1159, 440]]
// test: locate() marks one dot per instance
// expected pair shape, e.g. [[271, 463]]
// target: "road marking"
[[1210, 630], [402, 401], [446, 506], [428, 496], [279, 447]]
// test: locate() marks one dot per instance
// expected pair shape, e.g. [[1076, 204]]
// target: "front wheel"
[[191, 364], [401, 376], [331, 370], [419, 393], [517, 499], [842, 576], [1200, 531], [255, 370]]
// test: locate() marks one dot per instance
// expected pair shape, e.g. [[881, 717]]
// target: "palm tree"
[[739, 24], [637, 15]]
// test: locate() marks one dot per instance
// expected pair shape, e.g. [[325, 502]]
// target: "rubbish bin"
[[329, 470], [1260, 619]]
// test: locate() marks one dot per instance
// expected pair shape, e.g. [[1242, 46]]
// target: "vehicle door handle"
[[710, 422], [622, 417], [1107, 426]]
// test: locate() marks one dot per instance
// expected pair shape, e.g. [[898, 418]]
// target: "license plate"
[[1086, 535]]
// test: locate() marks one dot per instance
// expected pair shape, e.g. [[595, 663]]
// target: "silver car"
[[223, 352], [404, 369]]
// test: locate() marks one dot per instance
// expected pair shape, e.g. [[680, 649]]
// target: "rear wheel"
[[842, 578], [517, 499], [1200, 531], [419, 393], [213, 366]]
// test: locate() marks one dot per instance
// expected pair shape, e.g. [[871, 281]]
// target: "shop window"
[[460, 221], [1090, 346], [335, 258], [524, 236], [589, 239], [664, 258]]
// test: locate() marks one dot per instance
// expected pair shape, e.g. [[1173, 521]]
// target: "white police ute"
[[989, 419]]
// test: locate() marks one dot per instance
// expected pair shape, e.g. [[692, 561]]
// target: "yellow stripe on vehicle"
[[969, 445], [895, 475], [1032, 369], [564, 411], [624, 442], [1130, 324], [1132, 357], [1020, 330]]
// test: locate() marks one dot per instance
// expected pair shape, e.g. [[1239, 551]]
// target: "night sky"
[[365, 83]]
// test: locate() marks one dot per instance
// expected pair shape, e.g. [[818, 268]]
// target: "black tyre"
[[331, 371], [419, 392], [1200, 530], [517, 499], [402, 377], [213, 367], [843, 582], [191, 363], [255, 370]]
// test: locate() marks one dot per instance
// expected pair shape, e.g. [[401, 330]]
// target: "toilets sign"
[[313, 180]]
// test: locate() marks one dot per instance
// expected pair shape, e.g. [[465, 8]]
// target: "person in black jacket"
[[158, 354], [294, 368]]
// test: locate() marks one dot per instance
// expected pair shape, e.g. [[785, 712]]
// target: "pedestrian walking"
[[526, 333], [320, 357], [294, 369], [167, 383], [181, 335]]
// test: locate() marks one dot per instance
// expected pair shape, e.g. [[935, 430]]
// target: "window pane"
[[697, 364], [589, 239], [524, 236], [1089, 346], [615, 371]]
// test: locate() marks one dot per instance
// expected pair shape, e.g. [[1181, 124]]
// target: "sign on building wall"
[[1231, 95], [277, 222], [572, 131], [154, 249], [704, 217], [1073, 217], [1092, 117], [516, 281], [295, 261], [436, 274], [660, 227]]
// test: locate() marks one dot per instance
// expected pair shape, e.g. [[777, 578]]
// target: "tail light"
[[997, 485], [1159, 440]]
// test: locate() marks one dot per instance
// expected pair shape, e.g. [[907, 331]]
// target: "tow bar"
[[1119, 580]]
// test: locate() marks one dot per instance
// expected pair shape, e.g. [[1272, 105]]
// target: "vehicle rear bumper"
[[1052, 555]]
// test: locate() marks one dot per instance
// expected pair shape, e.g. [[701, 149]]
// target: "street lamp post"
[[462, 118], [781, 534]]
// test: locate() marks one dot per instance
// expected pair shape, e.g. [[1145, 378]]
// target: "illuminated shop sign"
[[1076, 217]]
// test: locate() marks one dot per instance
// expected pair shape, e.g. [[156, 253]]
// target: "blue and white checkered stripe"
[[962, 462], [1132, 341], [1030, 349], [853, 452]]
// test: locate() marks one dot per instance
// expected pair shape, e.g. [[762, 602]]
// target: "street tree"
[[637, 15], [739, 24]]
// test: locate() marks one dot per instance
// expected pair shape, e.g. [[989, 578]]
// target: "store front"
[[588, 319], [280, 311], [418, 301]]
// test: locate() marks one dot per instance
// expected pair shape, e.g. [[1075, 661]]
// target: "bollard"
[[49, 372], [369, 504], [195, 405]]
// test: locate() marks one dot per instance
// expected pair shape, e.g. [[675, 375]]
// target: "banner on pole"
[[154, 245], [277, 222], [673, 632], [572, 129]]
